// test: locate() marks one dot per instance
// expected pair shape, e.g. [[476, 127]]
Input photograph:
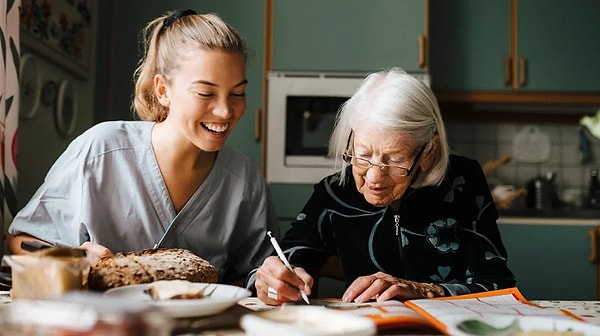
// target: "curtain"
[[9, 110]]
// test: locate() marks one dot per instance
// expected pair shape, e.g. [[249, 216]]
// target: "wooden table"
[[226, 323], [589, 311]]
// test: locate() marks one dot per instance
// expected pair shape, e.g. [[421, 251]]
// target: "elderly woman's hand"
[[276, 284], [95, 251], [382, 287]]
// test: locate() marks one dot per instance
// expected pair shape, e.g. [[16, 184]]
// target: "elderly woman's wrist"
[[431, 290], [438, 291]]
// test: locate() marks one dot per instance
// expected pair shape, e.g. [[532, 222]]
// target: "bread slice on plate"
[[174, 290]]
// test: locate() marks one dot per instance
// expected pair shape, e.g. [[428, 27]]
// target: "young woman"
[[166, 180]]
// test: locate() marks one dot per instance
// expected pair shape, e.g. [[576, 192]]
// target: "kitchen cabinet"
[[550, 262], [468, 41], [515, 45], [559, 42], [349, 36], [289, 199]]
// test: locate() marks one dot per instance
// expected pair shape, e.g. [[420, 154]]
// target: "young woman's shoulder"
[[238, 164], [117, 132], [113, 135], [119, 129]]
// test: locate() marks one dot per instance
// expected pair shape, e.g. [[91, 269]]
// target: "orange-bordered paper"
[[498, 308]]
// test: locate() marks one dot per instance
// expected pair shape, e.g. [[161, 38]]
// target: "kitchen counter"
[[549, 217], [551, 213]]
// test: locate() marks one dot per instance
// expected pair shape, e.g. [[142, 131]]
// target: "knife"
[[35, 245], [157, 245], [59, 250]]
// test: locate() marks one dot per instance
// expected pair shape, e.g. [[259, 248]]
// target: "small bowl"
[[306, 321]]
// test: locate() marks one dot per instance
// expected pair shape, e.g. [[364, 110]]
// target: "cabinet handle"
[[522, 71], [257, 124], [593, 258], [507, 70], [421, 51]]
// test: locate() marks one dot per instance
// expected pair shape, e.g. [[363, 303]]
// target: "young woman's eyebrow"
[[205, 82]]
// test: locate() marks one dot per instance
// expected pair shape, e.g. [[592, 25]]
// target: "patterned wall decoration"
[[59, 30], [9, 109]]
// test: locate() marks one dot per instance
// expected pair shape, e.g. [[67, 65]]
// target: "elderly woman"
[[403, 218]]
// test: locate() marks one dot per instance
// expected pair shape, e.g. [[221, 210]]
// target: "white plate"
[[306, 321], [222, 297]]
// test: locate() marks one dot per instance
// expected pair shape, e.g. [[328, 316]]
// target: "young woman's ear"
[[429, 154], [160, 90]]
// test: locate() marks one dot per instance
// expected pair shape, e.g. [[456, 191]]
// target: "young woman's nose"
[[223, 108]]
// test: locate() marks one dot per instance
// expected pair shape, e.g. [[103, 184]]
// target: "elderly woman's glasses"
[[392, 170]]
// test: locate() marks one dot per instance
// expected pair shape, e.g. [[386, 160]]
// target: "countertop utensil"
[[493, 165], [531, 145], [584, 146]]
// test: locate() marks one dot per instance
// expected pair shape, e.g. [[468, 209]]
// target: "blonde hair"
[[398, 102], [166, 39]]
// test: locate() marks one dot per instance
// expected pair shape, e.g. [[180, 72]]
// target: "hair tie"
[[176, 15]]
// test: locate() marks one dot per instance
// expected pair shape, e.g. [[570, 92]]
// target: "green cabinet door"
[[347, 36], [468, 41], [560, 43], [550, 262], [248, 18], [289, 199]]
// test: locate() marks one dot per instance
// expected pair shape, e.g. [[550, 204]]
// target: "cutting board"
[[531, 145]]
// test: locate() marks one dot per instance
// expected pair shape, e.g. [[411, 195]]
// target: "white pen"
[[286, 262]]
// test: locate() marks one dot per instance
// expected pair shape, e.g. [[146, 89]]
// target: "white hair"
[[398, 102]]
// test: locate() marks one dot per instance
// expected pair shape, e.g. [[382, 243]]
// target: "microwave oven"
[[301, 112]]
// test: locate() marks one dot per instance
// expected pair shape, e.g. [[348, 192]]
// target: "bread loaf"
[[146, 266]]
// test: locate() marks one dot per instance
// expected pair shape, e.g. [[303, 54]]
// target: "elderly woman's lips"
[[376, 189]]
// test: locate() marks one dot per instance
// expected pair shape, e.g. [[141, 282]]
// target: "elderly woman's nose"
[[375, 172]]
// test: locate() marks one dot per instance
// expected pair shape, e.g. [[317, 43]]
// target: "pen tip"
[[269, 234], [305, 297]]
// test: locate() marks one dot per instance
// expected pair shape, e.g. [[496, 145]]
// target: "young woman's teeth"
[[216, 128]]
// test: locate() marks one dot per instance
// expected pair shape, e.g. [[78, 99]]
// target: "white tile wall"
[[488, 141]]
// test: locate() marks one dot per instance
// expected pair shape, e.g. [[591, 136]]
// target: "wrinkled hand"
[[273, 273], [382, 287], [95, 252]]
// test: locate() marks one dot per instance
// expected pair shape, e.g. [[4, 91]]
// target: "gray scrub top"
[[107, 188]]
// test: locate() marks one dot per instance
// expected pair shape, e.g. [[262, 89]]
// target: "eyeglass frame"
[[348, 159]]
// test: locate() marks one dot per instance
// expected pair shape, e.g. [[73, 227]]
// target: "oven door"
[[308, 126]]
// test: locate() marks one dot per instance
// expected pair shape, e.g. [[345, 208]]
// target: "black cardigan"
[[446, 235]]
